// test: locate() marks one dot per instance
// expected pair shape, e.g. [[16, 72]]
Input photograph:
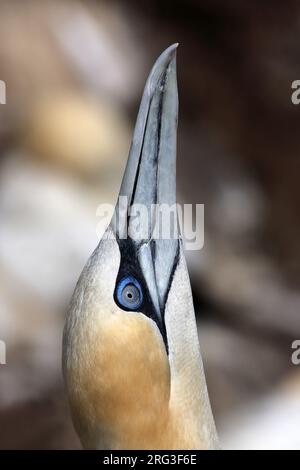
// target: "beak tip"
[[167, 57], [172, 51], [169, 53]]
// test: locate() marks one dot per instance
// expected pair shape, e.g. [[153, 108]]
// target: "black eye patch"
[[131, 291]]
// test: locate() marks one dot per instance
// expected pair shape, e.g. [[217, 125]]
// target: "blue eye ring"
[[129, 293]]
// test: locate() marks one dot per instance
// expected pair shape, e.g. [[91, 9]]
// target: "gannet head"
[[131, 357]]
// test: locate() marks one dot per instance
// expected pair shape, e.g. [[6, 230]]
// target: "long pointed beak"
[[150, 177]]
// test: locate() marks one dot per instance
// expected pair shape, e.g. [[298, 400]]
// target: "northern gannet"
[[131, 358]]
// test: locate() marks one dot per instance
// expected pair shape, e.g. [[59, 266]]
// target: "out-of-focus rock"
[[49, 225], [74, 133], [49, 46], [41, 423], [271, 423], [31, 330], [239, 363]]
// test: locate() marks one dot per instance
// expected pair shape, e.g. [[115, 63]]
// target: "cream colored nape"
[[189, 400]]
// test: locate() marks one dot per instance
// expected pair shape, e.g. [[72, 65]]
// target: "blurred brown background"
[[74, 73]]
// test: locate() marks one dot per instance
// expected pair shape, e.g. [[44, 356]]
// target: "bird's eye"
[[129, 293]]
